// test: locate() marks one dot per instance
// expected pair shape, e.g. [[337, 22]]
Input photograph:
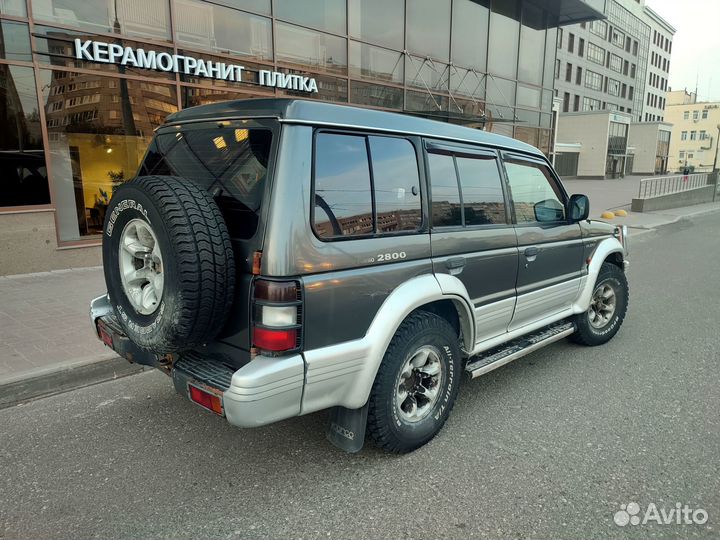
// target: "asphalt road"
[[549, 446]]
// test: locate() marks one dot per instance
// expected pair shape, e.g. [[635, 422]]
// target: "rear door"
[[472, 237], [550, 247]]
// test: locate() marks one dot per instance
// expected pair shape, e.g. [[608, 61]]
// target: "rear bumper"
[[265, 390]]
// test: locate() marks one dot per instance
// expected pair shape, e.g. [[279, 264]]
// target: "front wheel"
[[416, 385], [608, 306]]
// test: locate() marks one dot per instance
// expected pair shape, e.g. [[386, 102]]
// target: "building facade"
[[656, 81], [87, 82], [695, 132]]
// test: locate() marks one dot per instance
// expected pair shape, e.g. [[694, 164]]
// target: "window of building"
[[302, 47], [24, 173], [375, 63], [122, 16], [566, 102], [590, 104], [631, 92], [596, 54], [535, 194], [328, 15], [599, 28], [381, 22], [469, 32], [571, 42], [428, 28], [576, 104], [632, 71], [593, 80], [705, 114], [568, 72], [581, 47], [635, 48], [557, 69], [616, 63], [628, 42], [578, 76], [693, 135], [686, 115], [503, 38], [696, 115], [683, 136], [617, 37], [682, 154], [623, 90], [559, 38], [703, 135], [690, 155], [532, 45]]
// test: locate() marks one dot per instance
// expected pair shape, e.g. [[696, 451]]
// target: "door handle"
[[531, 253], [455, 263]]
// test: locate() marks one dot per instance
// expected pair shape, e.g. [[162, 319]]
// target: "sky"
[[696, 45]]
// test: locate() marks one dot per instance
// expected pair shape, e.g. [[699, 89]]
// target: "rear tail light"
[[277, 314]]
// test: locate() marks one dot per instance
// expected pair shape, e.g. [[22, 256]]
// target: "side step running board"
[[506, 353]]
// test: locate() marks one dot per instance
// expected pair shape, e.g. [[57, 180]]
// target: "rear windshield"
[[230, 162]]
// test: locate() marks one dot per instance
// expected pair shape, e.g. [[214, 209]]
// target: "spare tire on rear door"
[[168, 262]]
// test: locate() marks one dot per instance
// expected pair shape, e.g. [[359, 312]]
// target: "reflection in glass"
[[500, 97], [428, 28], [483, 200], [376, 95], [426, 73], [208, 26], [377, 21], [445, 195], [329, 88], [532, 45], [532, 186], [98, 128], [149, 18], [469, 33], [15, 41], [260, 6], [397, 184], [503, 48], [467, 82], [305, 48], [191, 97], [528, 96], [343, 204], [375, 63], [424, 102], [23, 175], [326, 15]]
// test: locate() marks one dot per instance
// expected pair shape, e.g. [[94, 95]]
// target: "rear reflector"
[[205, 399], [274, 340]]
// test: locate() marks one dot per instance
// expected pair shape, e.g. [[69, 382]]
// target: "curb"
[[63, 378]]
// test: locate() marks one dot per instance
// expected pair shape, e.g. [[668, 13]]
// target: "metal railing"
[[663, 185]]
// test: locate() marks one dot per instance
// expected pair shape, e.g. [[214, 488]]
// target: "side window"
[[477, 199], [483, 201], [350, 201], [397, 184], [446, 205], [343, 202], [536, 196]]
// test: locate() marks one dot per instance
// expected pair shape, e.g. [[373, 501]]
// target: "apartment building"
[[695, 132], [656, 82]]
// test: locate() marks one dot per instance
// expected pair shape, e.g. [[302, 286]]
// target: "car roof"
[[313, 112]]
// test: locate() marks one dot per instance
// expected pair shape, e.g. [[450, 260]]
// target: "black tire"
[[197, 262], [385, 425], [587, 334]]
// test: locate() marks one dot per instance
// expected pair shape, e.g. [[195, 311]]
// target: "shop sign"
[[113, 53]]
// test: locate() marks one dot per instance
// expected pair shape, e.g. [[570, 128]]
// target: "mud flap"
[[346, 428]]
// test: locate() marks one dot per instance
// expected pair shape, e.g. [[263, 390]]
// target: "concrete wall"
[[643, 137], [29, 244], [675, 200], [592, 131]]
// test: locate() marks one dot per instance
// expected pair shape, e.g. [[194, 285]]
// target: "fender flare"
[[604, 249], [343, 374]]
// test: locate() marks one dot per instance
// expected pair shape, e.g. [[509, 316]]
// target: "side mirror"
[[578, 208], [548, 211]]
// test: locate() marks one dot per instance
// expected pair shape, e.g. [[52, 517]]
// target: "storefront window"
[[97, 133], [375, 63], [328, 15], [376, 95], [23, 175], [208, 26], [149, 18], [377, 21], [469, 33], [428, 28], [15, 41], [307, 48], [55, 46], [13, 7]]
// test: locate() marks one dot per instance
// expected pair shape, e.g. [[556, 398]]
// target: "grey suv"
[[277, 257]]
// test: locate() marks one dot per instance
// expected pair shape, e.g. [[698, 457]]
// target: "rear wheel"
[[416, 385], [608, 306]]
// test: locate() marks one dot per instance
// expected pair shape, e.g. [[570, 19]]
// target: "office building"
[[695, 132]]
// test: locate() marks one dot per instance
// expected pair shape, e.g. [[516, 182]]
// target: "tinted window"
[[343, 203], [483, 201], [445, 194], [535, 194], [304, 47], [428, 28], [377, 21], [15, 41], [323, 14], [397, 184]]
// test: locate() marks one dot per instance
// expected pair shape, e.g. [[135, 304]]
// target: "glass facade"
[[75, 128]]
